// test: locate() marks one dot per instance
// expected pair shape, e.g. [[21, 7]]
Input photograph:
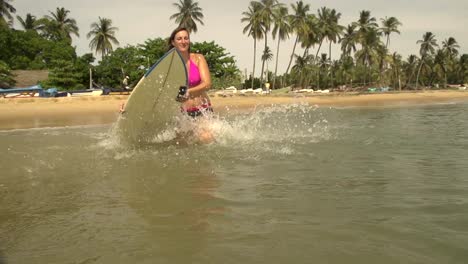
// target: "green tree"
[[368, 54], [222, 65], [368, 38], [152, 50], [126, 61], [28, 50], [311, 34], [450, 46], [281, 30], [440, 64], [349, 40], [254, 28], [82, 68], [428, 44], [103, 36], [365, 22], [29, 22], [64, 76], [389, 25], [58, 26], [299, 25], [331, 29], [267, 8], [220, 62], [347, 69], [6, 19], [462, 72], [396, 67], [189, 12], [410, 68], [302, 68], [6, 77], [267, 56]]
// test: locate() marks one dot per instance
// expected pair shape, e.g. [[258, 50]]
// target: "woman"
[[197, 101]]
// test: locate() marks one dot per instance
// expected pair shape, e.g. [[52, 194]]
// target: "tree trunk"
[[318, 50], [255, 54], [292, 55], [276, 64], [445, 75], [306, 52], [331, 71], [263, 62], [419, 72]]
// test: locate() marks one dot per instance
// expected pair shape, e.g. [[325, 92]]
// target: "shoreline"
[[22, 113]]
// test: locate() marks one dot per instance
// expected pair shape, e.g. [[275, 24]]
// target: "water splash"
[[285, 124]]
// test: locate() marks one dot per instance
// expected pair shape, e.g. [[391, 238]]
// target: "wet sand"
[[56, 112]]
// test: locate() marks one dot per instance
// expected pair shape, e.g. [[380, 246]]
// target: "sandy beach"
[[20, 113]]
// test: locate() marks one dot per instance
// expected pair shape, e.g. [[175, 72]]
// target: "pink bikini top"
[[194, 74]]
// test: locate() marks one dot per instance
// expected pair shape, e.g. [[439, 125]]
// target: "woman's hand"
[[122, 108]]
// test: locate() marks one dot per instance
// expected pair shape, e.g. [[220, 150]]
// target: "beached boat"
[[32, 91], [87, 92]]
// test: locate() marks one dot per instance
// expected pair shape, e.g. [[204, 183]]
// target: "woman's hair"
[[172, 37]]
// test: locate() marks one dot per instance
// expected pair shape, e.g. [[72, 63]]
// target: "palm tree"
[[410, 67], [302, 68], [365, 22], [396, 66], [332, 30], [29, 23], [61, 25], [450, 46], [368, 54], [347, 67], [349, 40], [281, 29], [428, 44], [266, 57], [311, 35], [267, 8], [298, 22], [6, 19], [103, 35], [323, 24], [368, 37], [253, 28], [335, 30], [189, 12], [440, 61], [462, 68], [389, 25]]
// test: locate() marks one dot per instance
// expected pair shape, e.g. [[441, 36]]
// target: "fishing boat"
[[32, 91]]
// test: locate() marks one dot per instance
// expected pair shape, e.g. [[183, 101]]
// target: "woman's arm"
[[205, 83]]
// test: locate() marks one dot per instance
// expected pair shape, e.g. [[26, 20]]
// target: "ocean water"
[[285, 184]]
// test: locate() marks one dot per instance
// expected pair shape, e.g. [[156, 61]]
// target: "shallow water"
[[289, 184]]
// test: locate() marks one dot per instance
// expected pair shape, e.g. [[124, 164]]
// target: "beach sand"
[[20, 113]]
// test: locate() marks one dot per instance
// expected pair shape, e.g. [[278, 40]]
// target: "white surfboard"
[[152, 107]]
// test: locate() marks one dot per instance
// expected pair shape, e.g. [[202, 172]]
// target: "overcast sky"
[[139, 20]]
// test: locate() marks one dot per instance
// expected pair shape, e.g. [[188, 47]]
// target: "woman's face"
[[181, 41]]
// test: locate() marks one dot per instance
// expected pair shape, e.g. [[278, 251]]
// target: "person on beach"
[[125, 83], [196, 102]]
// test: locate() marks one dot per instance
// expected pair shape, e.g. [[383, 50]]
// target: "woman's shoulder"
[[197, 56]]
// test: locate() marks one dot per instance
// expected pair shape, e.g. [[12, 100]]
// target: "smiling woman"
[[197, 101]]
